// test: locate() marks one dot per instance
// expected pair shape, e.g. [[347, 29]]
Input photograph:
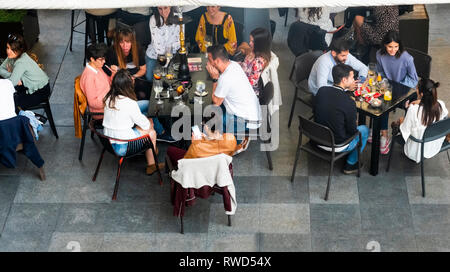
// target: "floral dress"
[[253, 69]]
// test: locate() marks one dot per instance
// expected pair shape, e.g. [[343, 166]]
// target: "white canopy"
[[92, 4]]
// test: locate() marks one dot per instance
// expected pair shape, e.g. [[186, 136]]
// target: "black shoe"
[[350, 169], [165, 137]]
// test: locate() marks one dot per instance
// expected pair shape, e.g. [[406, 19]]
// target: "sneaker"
[[165, 137], [242, 146], [150, 169], [351, 168], [385, 143], [369, 140]]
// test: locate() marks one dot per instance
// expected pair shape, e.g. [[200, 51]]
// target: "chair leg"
[[390, 153], [83, 138], [329, 180], [294, 100], [116, 186], [297, 155], [269, 158], [157, 166], [423, 177], [229, 220], [48, 111], [182, 227], [99, 163], [285, 19], [71, 30]]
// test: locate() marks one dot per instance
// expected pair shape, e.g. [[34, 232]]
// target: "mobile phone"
[[196, 131]]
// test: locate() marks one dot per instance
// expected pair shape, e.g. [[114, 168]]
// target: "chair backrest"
[[437, 130], [316, 132], [266, 93], [303, 37], [303, 65], [422, 62]]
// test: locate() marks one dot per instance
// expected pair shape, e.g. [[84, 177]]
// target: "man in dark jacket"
[[334, 109]]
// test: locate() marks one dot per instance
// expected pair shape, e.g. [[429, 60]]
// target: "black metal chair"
[[135, 147], [299, 76], [435, 131], [48, 111], [265, 96], [319, 134], [422, 62]]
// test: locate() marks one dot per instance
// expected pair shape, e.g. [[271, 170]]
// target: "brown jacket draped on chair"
[[79, 106]]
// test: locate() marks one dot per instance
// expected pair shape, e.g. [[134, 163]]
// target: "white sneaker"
[[385, 143]]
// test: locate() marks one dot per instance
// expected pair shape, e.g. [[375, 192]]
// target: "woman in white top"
[[122, 113], [7, 108], [164, 34], [422, 113], [320, 17]]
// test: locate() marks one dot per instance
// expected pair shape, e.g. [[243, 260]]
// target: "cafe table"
[[190, 100], [400, 94]]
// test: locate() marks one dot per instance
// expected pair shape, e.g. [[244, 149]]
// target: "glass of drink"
[[200, 87], [208, 43], [158, 87]]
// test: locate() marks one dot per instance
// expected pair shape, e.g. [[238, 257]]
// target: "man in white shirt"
[[232, 91], [7, 108], [339, 53]]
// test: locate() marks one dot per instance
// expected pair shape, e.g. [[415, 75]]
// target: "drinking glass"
[[372, 69], [200, 86], [158, 87], [208, 43]]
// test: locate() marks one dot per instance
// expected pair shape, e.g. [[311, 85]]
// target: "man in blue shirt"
[[321, 71]]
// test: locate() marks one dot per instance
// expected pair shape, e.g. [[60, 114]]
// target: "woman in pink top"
[[94, 82]]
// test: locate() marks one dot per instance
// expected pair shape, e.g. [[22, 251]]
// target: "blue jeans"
[[143, 106], [150, 65], [353, 156], [121, 149], [232, 123]]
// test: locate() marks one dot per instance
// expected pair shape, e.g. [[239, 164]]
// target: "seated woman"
[[209, 144], [165, 36], [94, 82], [257, 55], [395, 64], [124, 120], [422, 113], [127, 54], [31, 83], [219, 27]]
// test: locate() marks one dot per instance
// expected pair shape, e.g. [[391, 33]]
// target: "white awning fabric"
[[92, 4]]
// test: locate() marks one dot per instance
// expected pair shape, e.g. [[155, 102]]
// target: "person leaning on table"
[[30, 81]]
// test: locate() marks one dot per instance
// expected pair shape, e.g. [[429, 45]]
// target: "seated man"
[[334, 109], [233, 92], [339, 53], [209, 144], [94, 82]]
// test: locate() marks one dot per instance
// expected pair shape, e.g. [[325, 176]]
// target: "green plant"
[[11, 15]]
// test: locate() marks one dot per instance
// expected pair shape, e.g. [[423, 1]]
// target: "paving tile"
[[433, 242], [337, 243], [376, 219], [338, 218], [390, 190], [275, 242], [128, 242], [228, 242], [285, 218], [282, 190], [244, 221], [76, 242], [51, 190], [176, 242], [248, 190], [8, 188], [25, 241], [431, 219], [438, 165], [32, 218], [195, 220], [389, 242], [88, 218], [131, 217], [343, 190], [437, 190]]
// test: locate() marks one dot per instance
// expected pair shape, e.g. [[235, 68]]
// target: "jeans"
[[121, 149], [150, 64], [232, 123], [353, 156], [143, 107], [384, 122]]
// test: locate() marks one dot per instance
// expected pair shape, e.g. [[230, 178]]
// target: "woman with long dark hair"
[[395, 64], [164, 34], [30, 81], [257, 55], [123, 118], [127, 54], [421, 113]]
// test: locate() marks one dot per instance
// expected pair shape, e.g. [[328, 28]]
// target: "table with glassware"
[[169, 93], [391, 95]]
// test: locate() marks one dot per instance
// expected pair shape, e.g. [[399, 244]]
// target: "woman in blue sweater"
[[395, 64]]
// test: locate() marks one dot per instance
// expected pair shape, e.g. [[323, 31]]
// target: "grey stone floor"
[[273, 213]]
